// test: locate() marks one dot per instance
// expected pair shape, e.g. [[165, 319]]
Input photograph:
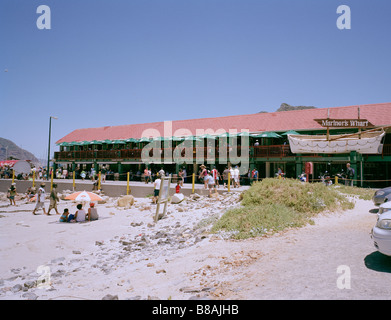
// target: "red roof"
[[377, 114]]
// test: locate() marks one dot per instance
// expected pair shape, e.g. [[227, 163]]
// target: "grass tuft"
[[273, 205]]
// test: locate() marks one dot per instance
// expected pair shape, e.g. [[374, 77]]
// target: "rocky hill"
[[287, 107], [9, 149]]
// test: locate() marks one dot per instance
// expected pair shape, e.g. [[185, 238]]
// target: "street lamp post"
[[50, 132]]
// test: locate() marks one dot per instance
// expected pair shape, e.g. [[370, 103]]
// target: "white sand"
[[175, 259]]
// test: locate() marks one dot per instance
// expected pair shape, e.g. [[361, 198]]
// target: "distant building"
[[120, 148]]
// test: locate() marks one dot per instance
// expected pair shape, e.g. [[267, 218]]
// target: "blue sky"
[[135, 61]]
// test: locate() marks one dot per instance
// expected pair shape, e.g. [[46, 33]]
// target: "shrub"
[[273, 205]]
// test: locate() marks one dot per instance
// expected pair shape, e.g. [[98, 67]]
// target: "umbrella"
[[145, 139], [207, 136], [75, 143], [267, 134], [244, 134], [95, 142], [118, 142], [177, 138], [192, 138], [84, 196], [64, 144], [289, 132]]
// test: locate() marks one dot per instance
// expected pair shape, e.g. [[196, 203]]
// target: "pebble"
[[110, 297], [150, 242]]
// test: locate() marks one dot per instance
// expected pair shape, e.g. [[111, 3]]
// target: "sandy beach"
[[126, 255]]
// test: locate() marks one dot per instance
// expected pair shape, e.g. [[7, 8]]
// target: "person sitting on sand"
[[178, 188], [30, 193], [80, 214], [64, 216], [92, 212]]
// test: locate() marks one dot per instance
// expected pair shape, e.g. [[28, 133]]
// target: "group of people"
[[40, 197], [80, 215], [39, 173]]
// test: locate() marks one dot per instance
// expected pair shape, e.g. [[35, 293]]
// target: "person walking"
[[53, 200], [40, 198], [225, 176], [236, 177], [349, 175]]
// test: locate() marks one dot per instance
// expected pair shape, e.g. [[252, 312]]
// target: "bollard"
[[51, 181], [127, 184], [336, 179], [193, 183], [74, 185], [99, 176]]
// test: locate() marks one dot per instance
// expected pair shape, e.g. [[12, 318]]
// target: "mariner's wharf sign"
[[344, 123]]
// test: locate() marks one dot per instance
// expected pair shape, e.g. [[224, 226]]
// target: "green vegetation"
[[361, 193], [273, 205]]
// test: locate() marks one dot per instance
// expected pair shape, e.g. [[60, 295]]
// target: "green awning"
[[207, 136], [118, 142], [289, 132], [145, 139], [267, 134], [192, 138]]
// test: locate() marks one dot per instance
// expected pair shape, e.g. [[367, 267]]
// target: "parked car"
[[381, 232], [381, 196]]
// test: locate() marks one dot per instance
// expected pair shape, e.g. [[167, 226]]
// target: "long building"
[[120, 148]]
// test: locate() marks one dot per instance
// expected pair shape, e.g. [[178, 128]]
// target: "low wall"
[[111, 188]]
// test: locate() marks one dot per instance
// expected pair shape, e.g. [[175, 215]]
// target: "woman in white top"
[[80, 214]]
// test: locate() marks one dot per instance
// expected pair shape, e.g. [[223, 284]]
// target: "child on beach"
[[80, 214], [11, 194], [178, 187], [92, 212], [64, 216]]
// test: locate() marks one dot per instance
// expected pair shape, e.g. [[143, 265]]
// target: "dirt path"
[[171, 260], [303, 263]]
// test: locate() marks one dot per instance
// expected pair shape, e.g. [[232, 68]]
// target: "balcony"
[[206, 153], [275, 151]]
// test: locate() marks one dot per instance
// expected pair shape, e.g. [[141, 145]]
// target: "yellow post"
[[13, 176], [74, 185], [193, 183], [34, 179], [51, 181], [336, 179], [99, 180], [229, 181], [127, 184]]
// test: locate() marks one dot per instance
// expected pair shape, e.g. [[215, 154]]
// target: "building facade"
[[186, 144]]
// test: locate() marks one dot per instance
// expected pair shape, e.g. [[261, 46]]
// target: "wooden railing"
[[275, 151]]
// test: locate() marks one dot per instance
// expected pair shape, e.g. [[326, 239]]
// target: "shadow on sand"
[[378, 262]]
